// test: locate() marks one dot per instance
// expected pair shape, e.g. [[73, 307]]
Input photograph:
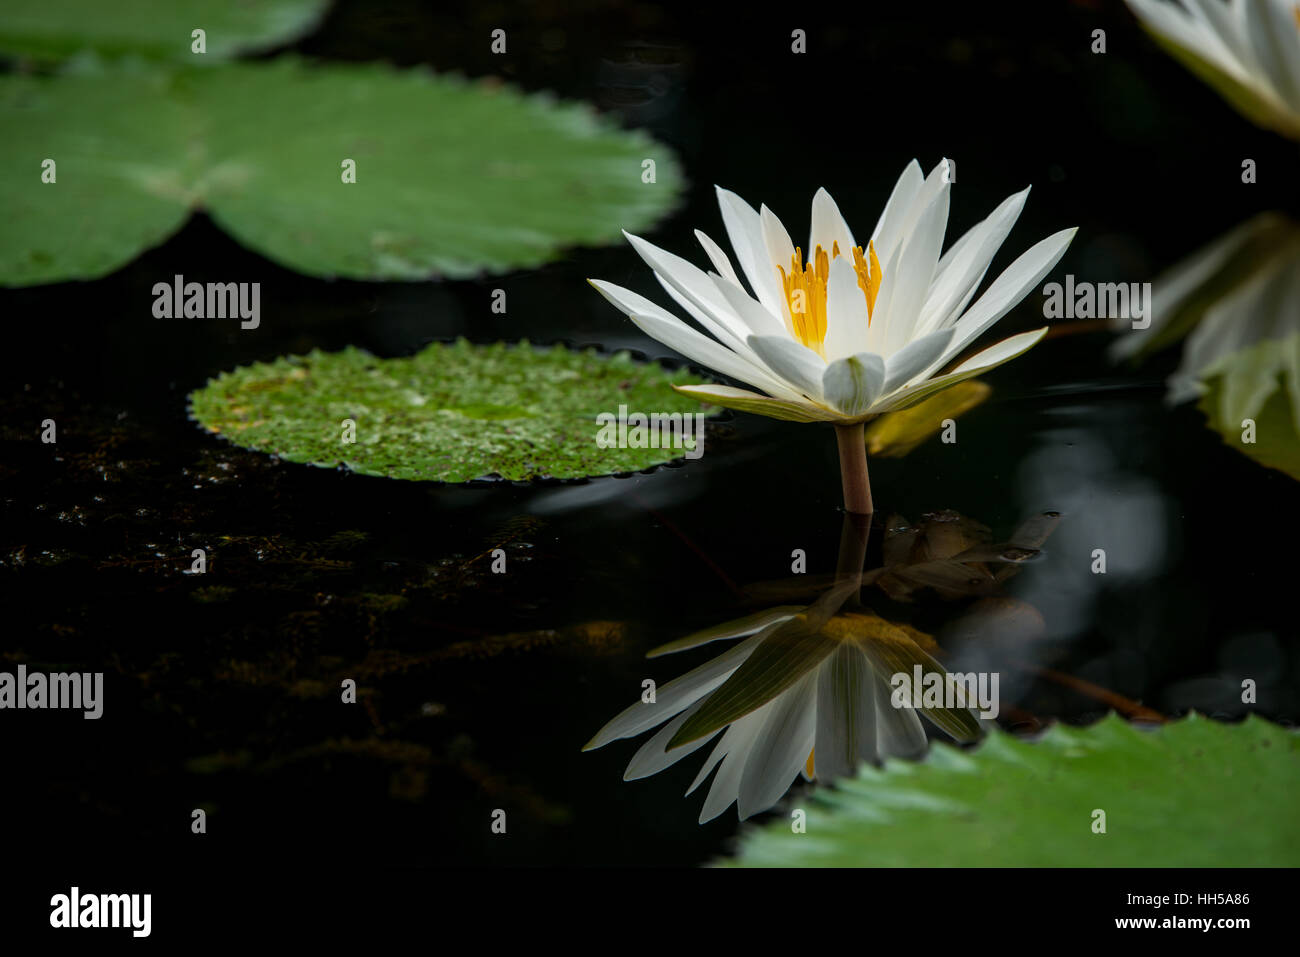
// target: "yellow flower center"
[[805, 289]]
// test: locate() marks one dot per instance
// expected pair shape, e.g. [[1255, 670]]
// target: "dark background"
[[221, 691]]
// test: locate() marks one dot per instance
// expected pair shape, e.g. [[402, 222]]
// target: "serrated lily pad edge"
[[718, 415], [942, 755]]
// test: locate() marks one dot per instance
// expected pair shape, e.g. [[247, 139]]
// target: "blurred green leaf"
[[1261, 383], [161, 29], [895, 434], [453, 178], [1194, 793], [451, 413]]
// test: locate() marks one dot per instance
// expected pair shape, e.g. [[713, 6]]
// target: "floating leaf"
[[895, 434], [119, 186], [52, 29], [452, 178], [1193, 793], [450, 413], [1262, 384]]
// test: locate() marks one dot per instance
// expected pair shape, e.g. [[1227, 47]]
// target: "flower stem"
[[853, 468]]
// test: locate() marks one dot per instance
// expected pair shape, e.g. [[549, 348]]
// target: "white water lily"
[[1248, 50], [855, 330]]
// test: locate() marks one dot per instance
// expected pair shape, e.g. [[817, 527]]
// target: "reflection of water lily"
[[848, 331], [831, 709], [809, 691], [1248, 50]]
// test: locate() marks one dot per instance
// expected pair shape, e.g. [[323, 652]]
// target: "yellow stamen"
[[804, 286], [808, 768]]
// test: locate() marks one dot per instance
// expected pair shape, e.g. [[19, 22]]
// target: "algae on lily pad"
[[354, 171], [454, 412], [1192, 793], [53, 29]]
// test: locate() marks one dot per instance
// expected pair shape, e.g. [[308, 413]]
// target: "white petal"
[[791, 362], [1001, 352], [745, 231], [994, 355], [828, 227], [752, 313], [911, 281], [853, 383], [672, 332], [962, 267], [914, 358], [716, 256], [1008, 289], [847, 320], [780, 250], [694, 291], [889, 226]]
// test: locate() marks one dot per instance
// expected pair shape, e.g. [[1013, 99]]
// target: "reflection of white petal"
[[740, 737], [675, 696], [898, 730], [846, 714], [781, 748], [652, 757]]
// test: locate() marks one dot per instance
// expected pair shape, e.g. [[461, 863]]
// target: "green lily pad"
[[1193, 793], [1261, 383], [451, 413], [53, 29], [452, 178]]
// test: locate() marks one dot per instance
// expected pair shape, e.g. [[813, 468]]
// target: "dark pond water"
[[478, 689]]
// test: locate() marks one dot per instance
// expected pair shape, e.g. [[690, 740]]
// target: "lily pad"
[[1260, 384], [453, 412], [52, 29], [1193, 793], [452, 178]]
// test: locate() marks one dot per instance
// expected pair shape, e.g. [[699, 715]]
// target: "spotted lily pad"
[[451, 413], [1193, 793], [451, 177], [52, 29]]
